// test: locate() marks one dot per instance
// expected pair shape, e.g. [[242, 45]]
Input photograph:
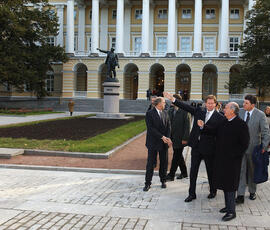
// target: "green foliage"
[[98, 144], [25, 56], [256, 47]]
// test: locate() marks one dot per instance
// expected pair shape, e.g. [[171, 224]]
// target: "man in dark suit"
[[203, 144], [157, 141], [232, 142], [180, 126]]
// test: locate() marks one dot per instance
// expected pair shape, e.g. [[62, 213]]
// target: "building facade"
[[163, 45]]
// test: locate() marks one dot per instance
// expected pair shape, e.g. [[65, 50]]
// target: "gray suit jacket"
[[258, 129]]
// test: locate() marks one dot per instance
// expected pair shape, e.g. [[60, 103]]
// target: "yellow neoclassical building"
[[163, 45]]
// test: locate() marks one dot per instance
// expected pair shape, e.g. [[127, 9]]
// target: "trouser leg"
[[175, 161], [163, 157], [243, 177], [182, 163], [195, 164], [114, 73], [230, 201], [150, 166], [250, 174], [209, 163]]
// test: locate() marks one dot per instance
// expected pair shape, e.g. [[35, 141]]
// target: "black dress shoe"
[[223, 210], [169, 178], [163, 185], [228, 216], [190, 198], [252, 196], [181, 176], [212, 195], [146, 188], [239, 200]]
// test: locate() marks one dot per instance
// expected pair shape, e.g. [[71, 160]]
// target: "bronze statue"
[[111, 61]]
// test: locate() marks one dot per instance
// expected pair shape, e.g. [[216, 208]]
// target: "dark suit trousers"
[[196, 158], [151, 161], [229, 201], [178, 160]]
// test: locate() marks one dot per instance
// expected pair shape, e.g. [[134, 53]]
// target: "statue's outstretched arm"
[[102, 51]]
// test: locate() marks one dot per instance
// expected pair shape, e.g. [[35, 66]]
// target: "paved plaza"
[[33, 199]]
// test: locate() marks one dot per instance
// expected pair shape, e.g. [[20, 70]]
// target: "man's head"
[[112, 49], [159, 103], [249, 102], [153, 98], [210, 102], [231, 110]]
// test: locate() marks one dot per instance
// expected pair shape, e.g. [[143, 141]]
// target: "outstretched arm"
[[102, 51]]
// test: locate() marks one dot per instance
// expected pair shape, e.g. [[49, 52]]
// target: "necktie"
[[248, 117], [207, 116], [162, 117]]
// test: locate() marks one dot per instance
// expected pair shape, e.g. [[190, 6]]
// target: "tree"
[[256, 50], [25, 55]]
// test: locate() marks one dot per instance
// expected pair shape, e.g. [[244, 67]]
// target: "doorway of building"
[[131, 81], [183, 81], [209, 81], [156, 79], [80, 80]]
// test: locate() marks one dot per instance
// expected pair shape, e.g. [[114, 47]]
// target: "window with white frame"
[[90, 14], [234, 44], [185, 43], [235, 14], [209, 44], [161, 44], [113, 42], [114, 14], [186, 13], [210, 13], [50, 81], [76, 42], [162, 14], [51, 41], [138, 14], [137, 44]]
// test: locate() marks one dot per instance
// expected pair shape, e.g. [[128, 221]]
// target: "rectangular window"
[[209, 44], [161, 44], [234, 43], [138, 14], [235, 14], [90, 14], [113, 42], [162, 14], [210, 14], [50, 82], [51, 41], [186, 13], [137, 44], [114, 14], [89, 44], [185, 44], [76, 43]]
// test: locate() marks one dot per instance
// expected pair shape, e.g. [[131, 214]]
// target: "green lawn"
[[98, 144]]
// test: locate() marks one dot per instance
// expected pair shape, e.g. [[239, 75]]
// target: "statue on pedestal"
[[111, 61]]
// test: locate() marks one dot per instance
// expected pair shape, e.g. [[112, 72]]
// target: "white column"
[[127, 29], [70, 27], [81, 29], [60, 15], [224, 28], [120, 27], [145, 27], [171, 28], [95, 26], [151, 29], [104, 28], [198, 28]]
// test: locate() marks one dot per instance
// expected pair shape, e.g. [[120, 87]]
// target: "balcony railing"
[[184, 54], [80, 93], [210, 54], [132, 54], [236, 96], [234, 53], [157, 54]]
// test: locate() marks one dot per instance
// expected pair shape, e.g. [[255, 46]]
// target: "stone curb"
[[75, 169], [106, 155]]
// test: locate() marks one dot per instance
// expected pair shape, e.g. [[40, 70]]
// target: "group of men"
[[224, 142]]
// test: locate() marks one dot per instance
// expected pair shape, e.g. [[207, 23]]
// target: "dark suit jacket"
[[206, 144], [156, 129], [180, 126]]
